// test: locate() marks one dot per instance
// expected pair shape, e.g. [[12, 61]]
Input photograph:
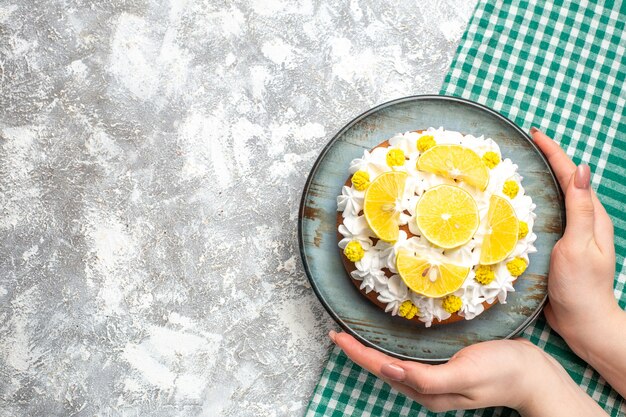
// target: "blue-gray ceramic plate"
[[318, 241]]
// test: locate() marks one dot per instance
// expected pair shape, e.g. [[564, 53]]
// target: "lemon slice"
[[502, 232], [447, 216], [456, 162], [381, 204], [431, 279]]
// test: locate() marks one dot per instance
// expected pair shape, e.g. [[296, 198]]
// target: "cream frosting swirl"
[[380, 257]]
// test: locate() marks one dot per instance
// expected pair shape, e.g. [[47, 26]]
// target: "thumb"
[[550, 317], [579, 206], [426, 379]]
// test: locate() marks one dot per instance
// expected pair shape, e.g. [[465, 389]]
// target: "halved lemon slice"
[[431, 279], [502, 233], [447, 216], [381, 204], [456, 162]]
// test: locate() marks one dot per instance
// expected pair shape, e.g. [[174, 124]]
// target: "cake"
[[434, 226]]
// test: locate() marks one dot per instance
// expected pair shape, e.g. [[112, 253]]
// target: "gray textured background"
[[152, 157]]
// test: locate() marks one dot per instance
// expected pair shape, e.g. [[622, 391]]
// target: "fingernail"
[[582, 177], [332, 334], [533, 130], [392, 371]]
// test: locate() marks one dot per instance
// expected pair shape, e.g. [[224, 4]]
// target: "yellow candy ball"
[[484, 274], [510, 188], [516, 266], [408, 310], [395, 157], [491, 159], [425, 143], [523, 230], [361, 180], [452, 304], [354, 251]]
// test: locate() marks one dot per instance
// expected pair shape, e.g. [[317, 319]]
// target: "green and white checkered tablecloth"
[[559, 66]]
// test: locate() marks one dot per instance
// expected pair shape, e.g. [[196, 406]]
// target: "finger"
[[559, 161], [579, 209], [563, 166], [436, 402], [547, 311], [603, 227], [433, 379], [365, 357], [425, 379], [564, 169], [373, 361], [524, 340]]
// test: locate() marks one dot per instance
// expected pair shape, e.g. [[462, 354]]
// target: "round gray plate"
[[318, 241]]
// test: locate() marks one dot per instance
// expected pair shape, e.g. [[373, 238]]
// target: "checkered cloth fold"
[[559, 66]]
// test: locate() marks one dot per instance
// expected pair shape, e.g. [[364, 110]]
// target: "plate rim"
[[322, 155]]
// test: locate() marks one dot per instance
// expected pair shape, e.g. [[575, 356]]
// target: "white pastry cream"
[[376, 270]]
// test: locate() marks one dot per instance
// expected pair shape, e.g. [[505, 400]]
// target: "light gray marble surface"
[[152, 156]]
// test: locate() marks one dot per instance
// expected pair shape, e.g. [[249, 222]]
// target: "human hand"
[[582, 265], [582, 307], [512, 373]]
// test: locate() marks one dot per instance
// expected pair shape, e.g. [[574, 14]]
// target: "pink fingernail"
[[392, 371], [332, 334], [582, 177], [533, 130]]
